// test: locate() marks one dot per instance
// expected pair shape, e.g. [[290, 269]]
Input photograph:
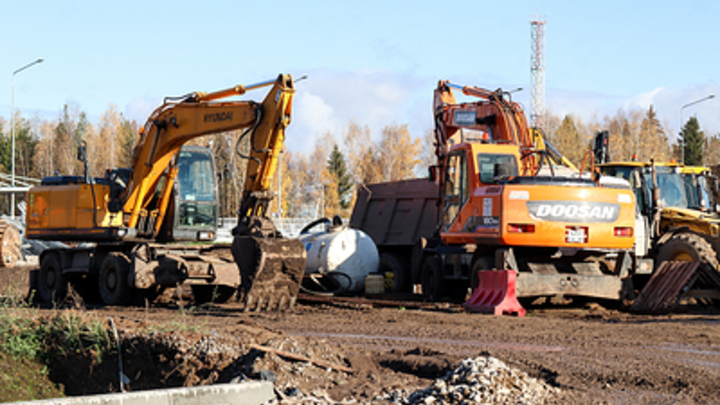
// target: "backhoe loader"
[[677, 218], [128, 225]]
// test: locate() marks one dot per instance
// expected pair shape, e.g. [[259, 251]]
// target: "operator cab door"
[[196, 212], [455, 189]]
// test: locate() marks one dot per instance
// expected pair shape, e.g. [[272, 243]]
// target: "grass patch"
[[29, 343], [25, 335], [23, 380]]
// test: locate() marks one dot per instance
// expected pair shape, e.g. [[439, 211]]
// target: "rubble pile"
[[212, 358], [485, 380]]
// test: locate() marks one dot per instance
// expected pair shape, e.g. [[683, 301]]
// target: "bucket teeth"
[[271, 271]]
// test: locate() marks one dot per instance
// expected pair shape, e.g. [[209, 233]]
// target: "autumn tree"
[[43, 157], [398, 153], [297, 198], [427, 156], [362, 157], [70, 129], [569, 141], [712, 157], [107, 155], [693, 141], [652, 138], [622, 143], [326, 188], [129, 133]]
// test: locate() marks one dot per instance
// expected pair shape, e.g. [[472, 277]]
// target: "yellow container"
[[374, 284]]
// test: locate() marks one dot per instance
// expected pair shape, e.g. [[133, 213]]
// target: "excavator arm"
[[173, 124], [494, 114]]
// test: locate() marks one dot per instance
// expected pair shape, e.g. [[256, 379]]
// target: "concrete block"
[[246, 393]]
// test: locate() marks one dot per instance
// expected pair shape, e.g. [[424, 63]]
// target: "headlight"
[[206, 235]]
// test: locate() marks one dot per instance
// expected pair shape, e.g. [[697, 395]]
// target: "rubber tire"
[[432, 278], [689, 244], [481, 263], [113, 279], [57, 289], [392, 263], [204, 294]]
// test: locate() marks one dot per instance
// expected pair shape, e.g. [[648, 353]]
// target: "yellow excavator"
[[127, 226]]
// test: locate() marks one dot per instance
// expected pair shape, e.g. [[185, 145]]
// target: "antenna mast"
[[537, 71]]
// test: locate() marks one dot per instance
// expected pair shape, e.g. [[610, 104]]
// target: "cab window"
[[456, 191], [494, 167]]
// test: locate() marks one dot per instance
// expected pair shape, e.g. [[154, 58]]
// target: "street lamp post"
[[682, 146], [12, 131]]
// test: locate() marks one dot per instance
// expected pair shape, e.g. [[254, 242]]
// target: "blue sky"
[[376, 62]]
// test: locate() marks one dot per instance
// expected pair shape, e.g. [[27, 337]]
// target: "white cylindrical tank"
[[346, 255]]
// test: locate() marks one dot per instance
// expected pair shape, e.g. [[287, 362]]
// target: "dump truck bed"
[[396, 213]]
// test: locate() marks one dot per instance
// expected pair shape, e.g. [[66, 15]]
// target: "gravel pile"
[[485, 380]]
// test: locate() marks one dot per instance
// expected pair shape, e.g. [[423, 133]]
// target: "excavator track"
[[271, 270]]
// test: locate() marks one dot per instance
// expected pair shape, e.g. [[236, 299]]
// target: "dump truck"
[[140, 229], [502, 203]]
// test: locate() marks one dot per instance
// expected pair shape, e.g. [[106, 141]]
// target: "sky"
[[372, 62]]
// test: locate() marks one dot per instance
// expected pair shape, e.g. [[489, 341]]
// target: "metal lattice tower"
[[537, 71]]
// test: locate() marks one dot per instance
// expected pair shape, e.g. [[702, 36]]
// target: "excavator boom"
[[494, 116], [175, 123]]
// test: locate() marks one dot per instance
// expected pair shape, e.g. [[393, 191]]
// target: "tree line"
[[323, 181]]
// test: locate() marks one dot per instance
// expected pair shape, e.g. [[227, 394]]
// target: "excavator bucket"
[[271, 270]]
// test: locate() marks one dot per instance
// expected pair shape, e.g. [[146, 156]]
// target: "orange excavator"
[[505, 202], [133, 219]]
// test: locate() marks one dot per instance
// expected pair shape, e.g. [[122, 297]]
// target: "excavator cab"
[[195, 200]]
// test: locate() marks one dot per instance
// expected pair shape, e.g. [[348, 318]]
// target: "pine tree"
[[337, 167], [693, 142]]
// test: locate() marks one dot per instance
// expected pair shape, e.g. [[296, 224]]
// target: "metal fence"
[[289, 227]]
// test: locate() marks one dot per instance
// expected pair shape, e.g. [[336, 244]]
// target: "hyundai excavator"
[[127, 226], [504, 203]]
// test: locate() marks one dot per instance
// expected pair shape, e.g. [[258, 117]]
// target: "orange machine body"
[[529, 212]]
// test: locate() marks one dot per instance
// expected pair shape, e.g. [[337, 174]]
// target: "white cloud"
[[312, 116], [328, 101], [140, 109]]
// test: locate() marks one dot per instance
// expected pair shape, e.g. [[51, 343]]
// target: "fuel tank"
[[346, 255]]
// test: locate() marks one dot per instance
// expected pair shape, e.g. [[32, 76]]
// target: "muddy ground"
[[590, 353], [593, 355]]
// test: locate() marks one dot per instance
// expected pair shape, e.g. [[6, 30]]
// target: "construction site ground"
[[589, 352]]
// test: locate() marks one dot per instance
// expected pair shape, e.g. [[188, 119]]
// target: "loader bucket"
[[271, 270]]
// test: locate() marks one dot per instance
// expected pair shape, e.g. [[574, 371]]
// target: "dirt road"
[[593, 355]]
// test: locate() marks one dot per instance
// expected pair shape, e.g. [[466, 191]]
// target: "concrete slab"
[[246, 393]]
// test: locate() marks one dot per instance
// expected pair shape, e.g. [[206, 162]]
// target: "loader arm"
[[173, 124]]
